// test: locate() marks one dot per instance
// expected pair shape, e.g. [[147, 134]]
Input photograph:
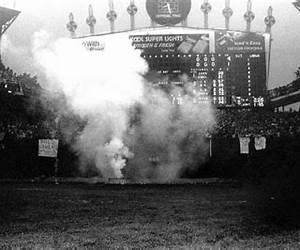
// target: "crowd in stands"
[[24, 119], [18, 130], [232, 123], [16, 120], [286, 89], [14, 84], [14, 123], [9, 81]]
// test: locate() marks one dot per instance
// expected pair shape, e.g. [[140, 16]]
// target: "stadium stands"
[[285, 95], [287, 89], [237, 122], [16, 120], [24, 120]]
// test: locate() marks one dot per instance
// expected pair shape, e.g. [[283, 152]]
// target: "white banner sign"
[[48, 147]]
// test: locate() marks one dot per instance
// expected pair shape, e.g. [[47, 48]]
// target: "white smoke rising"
[[117, 154], [173, 134], [103, 87], [100, 87], [11, 54]]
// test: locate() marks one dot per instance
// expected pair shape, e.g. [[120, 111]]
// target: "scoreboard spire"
[[249, 16], [71, 25], [132, 10], [111, 16], [206, 8], [227, 13], [269, 20], [91, 20]]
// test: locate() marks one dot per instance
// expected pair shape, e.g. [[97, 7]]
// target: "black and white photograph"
[[150, 124]]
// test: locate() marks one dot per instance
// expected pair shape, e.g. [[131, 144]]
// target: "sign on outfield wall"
[[48, 148]]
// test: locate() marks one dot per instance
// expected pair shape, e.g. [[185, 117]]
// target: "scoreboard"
[[228, 68], [230, 79]]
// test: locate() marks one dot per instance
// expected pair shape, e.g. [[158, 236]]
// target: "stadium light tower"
[[7, 17], [297, 4]]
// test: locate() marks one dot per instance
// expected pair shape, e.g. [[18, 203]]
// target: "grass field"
[[135, 216]]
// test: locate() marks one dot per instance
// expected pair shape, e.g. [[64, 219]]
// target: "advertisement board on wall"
[[201, 43], [239, 42], [177, 43]]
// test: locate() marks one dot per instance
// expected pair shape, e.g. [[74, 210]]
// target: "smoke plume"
[[131, 128], [170, 136]]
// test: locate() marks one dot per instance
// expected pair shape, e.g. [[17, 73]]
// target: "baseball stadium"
[[162, 136]]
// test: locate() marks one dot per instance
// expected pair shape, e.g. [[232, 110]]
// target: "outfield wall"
[[19, 159]]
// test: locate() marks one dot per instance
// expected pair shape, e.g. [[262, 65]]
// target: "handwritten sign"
[[48, 147]]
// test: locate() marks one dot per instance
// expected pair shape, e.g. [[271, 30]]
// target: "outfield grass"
[[144, 216]]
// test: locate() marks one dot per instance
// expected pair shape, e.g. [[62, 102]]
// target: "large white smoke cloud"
[[99, 87], [107, 89]]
